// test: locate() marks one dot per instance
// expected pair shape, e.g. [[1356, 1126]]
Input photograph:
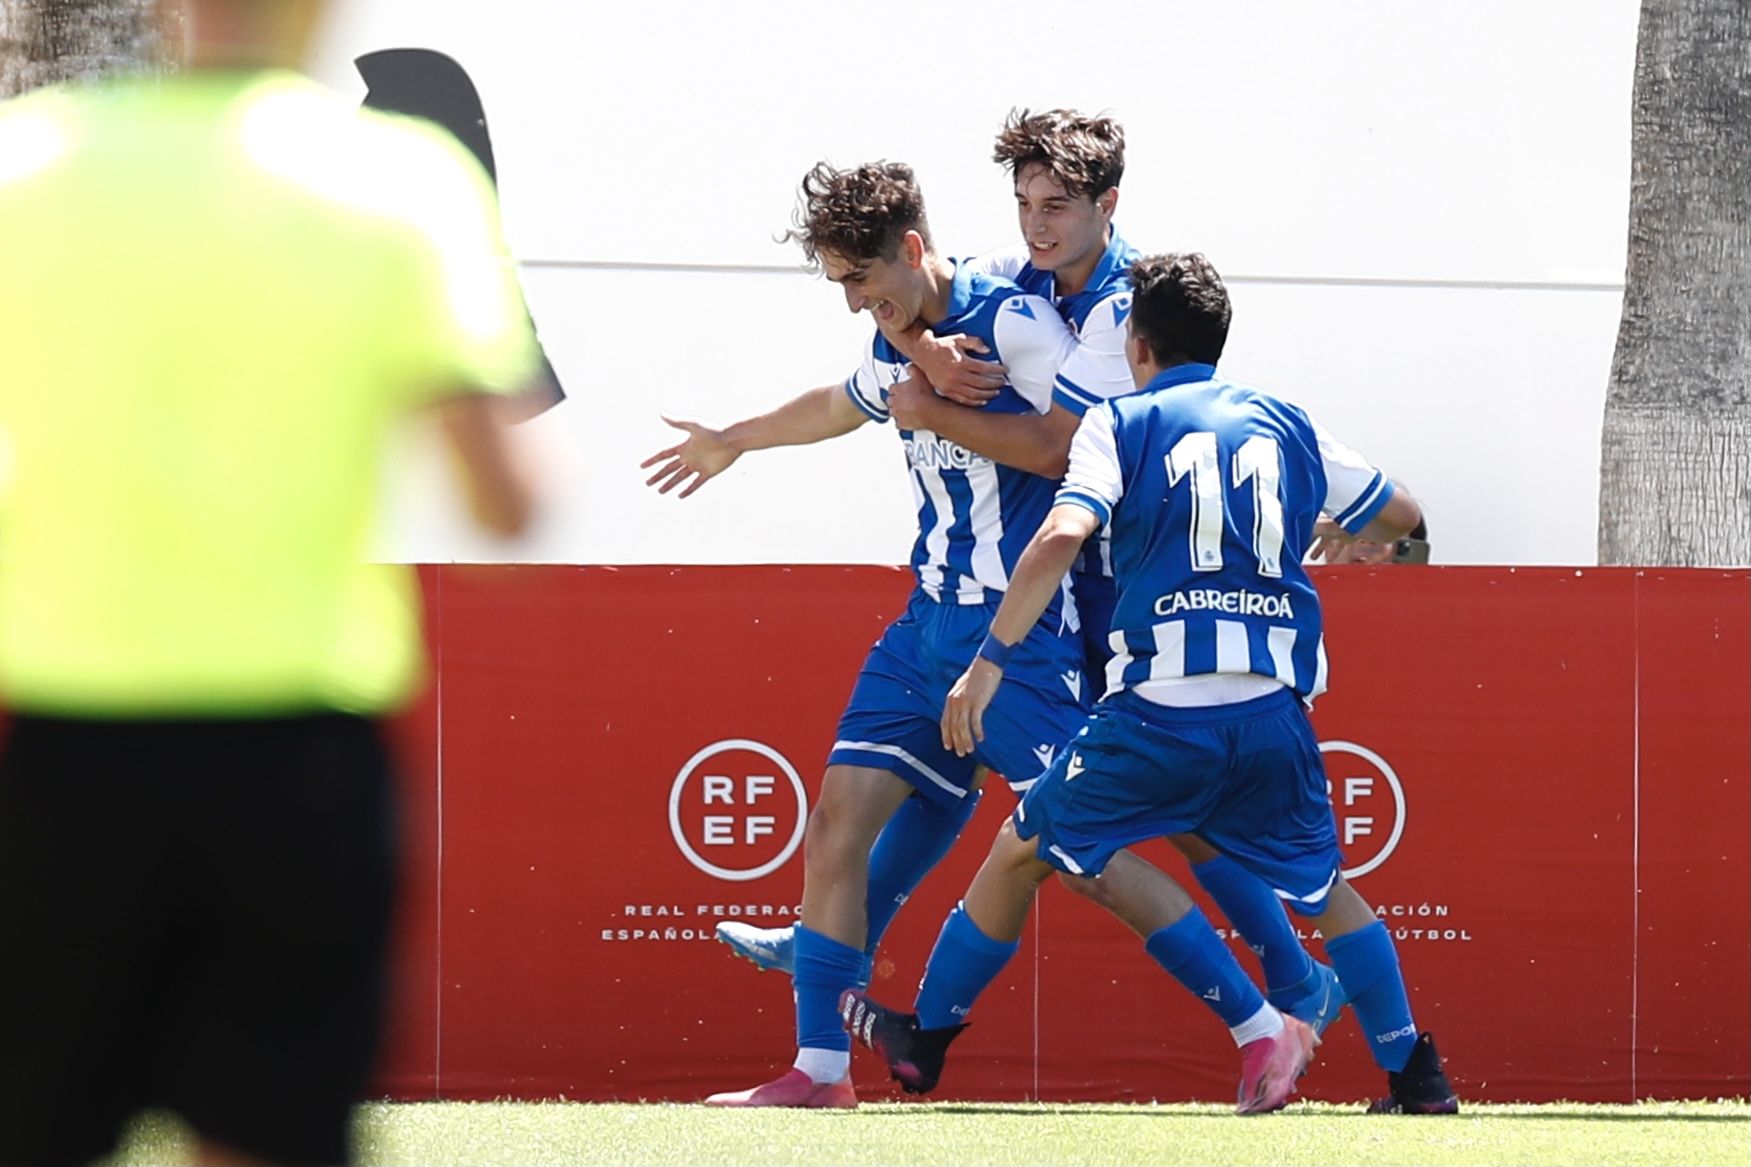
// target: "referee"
[[218, 293]]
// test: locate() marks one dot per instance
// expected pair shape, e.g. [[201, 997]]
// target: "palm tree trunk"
[[43, 42], [1675, 468]]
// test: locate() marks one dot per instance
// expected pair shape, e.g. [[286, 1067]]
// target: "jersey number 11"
[[1195, 456]]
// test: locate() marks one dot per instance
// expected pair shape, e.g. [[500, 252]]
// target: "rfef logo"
[[737, 810], [1368, 803]]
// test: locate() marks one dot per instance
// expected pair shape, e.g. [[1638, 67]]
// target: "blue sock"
[[914, 841], [1257, 914], [824, 969], [964, 961], [1191, 951], [1367, 964]]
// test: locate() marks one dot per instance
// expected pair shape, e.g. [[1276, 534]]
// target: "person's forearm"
[[908, 343], [815, 416], [499, 487], [1397, 518], [1037, 443], [1041, 571]]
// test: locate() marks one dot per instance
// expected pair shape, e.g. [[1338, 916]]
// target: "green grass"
[[965, 1133]]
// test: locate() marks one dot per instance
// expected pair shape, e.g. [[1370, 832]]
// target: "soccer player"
[[1210, 489], [221, 290], [866, 228], [1066, 168]]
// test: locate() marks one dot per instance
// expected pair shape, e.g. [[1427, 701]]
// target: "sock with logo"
[[962, 964], [1195, 956], [1367, 964], [913, 842], [1256, 913], [824, 969]]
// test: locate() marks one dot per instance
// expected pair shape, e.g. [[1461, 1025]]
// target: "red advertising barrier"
[[1540, 778]]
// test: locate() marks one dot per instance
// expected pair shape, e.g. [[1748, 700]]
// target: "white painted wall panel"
[[1486, 403], [1420, 209]]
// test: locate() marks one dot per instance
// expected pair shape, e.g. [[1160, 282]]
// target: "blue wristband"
[[995, 651]]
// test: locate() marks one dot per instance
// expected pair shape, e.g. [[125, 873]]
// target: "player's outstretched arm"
[[705, 453], [1037, 577]]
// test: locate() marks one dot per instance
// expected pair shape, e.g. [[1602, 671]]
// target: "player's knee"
[[828, 841], [1088, 887], [1007, 843], [1013, 851]]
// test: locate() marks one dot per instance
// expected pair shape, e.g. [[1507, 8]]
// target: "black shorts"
[[192, 916]]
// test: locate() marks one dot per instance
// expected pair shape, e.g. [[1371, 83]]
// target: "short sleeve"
[[868, 386], [1032, 341], [1005, 262], [1095, 479], [1354, 490], [1096, 369]]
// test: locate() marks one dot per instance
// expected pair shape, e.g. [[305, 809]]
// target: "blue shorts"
[[893, 721], [1247, 778]]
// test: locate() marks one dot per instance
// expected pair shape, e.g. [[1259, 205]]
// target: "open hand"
[[1330, 541], [696, 460]]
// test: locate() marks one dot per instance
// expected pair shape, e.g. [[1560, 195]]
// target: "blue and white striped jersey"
[[1096, 369], [974, 516], [1211, 491]]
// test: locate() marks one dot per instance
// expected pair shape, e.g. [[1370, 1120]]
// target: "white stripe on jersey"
[[987, 525], [1319, 673], [1117, 663], [1167, 683], [912, 762], [927, 481], [1168, 663], [1170, 650], [1282, 646], [1232, 653]]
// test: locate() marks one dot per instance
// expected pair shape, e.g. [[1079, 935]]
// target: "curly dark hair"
[[1180, 306], [857, 214], [1086, 155]]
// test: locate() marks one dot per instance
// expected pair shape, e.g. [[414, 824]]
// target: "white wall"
[[1420, 210]]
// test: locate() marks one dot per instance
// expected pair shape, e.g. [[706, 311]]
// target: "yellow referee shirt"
[[217, 293]]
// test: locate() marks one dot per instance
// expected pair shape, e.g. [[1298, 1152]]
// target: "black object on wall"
[[428, 84]]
